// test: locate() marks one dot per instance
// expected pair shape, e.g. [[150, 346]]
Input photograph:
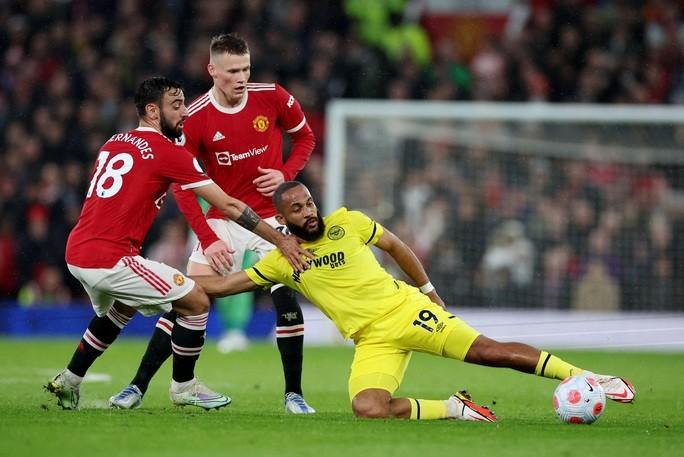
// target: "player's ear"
[[152, 111], [281, 220], [211, 69]]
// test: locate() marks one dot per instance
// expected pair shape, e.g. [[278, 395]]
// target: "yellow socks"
[[550, 366], [428, 409]]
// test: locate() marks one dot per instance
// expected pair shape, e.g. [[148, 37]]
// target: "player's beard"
[[168, 130], [305, 234]]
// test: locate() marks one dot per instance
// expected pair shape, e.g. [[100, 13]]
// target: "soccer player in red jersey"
[[132, 175], [235, 129]]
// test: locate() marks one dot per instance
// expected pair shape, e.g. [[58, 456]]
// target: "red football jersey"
[[132, 174], [233, 142]]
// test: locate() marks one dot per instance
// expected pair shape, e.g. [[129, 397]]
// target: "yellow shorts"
[[383, 349]]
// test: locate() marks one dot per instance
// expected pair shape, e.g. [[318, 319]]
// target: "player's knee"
[[483, 351], [288, 311], [194, 303], [370, 408], [486, 351], [203, 303]]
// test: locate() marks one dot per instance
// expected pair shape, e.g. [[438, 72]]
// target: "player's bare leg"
[[379, 404], [525, 358]]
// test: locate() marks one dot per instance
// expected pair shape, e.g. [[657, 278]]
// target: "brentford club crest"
[[260, 123]]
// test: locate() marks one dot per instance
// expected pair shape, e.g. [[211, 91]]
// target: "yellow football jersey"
[[345, 279]]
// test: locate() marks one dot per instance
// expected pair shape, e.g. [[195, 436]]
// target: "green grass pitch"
[[255, 424]]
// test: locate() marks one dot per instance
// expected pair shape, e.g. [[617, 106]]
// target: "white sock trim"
[[198, 322], [94, 342], [165, 325]]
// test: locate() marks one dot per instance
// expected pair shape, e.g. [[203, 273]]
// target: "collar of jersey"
[[223, 109], [153, 130]]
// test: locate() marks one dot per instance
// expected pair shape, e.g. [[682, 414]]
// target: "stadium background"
[[513, 232]]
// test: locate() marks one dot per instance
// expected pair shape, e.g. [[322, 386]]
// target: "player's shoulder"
[[341, 215], [199, 105], [352, 217], [141, 138], [262, 94], [344, 220], [262, 87], [344, 212], [267, 91]]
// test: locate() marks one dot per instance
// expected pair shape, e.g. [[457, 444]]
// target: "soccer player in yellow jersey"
[[386, 318]]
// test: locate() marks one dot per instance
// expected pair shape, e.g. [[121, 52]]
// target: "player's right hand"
[[220, 257], [294, 253], [436, 299]]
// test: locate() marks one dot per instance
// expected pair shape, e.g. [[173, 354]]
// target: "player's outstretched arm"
[[239, 212], [221, 286], [217, 252], [409, 263]]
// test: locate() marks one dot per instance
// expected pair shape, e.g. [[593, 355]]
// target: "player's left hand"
[[436, 299], [220, 257], [269, 180]]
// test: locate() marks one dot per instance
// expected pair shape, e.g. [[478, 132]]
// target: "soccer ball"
[[579, 400]]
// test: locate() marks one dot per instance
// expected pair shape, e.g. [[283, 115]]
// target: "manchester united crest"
[[260, 123], [178, 279]]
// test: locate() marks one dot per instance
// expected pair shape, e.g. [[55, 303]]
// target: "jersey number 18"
[[110, 176]]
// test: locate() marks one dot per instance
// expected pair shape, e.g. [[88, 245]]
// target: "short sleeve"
[[367, 228], [270, 270], [183, 168], [292, 117]]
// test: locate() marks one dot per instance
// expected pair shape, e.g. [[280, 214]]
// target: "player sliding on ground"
[[386, 318]]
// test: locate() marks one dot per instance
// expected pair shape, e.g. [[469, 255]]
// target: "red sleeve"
[[189, 206], [293, 121], [186, 199], [303, 143], [179, 166]]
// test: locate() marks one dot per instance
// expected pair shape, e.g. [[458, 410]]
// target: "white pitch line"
[[643, 345], [597, 332]]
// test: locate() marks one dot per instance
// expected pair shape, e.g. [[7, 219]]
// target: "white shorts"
[[148, 286], [238, 238]]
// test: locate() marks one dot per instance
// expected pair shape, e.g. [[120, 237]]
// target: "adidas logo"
[[218, 136]]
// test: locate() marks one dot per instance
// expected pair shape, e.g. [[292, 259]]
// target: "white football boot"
[[295, 404], [461, 407], [197, 394], [65, 386], [616, 388], [129, 398]]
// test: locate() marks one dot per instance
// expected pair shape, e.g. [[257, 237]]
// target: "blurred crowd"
[[68, 70], [507, 229]]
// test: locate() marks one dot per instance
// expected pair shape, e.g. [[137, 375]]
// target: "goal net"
[[521, 205]]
